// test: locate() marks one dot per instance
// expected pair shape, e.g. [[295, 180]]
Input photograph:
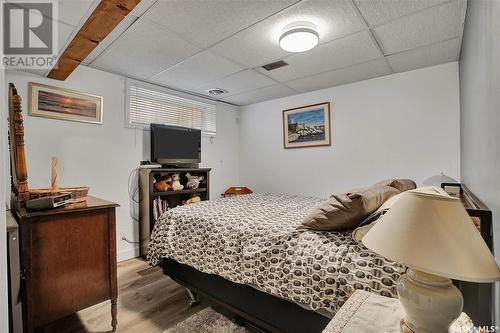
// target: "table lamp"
[[433, 236]]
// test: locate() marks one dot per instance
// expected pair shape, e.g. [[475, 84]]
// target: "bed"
[[248, 247]]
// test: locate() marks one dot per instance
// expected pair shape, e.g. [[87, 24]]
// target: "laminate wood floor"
[[148, 302]]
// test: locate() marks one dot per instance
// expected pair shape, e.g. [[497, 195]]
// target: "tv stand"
[[149, 197]]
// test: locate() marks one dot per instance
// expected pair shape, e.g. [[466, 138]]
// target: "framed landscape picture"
[[307, 126], [64, 104]]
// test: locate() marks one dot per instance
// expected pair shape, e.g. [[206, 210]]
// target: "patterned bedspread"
[[251, 239]]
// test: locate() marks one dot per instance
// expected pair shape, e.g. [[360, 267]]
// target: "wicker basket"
[[77, 193]]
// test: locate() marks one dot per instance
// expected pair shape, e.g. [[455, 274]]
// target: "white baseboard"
[[127, 254]]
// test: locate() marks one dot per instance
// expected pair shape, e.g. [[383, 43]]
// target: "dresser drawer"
[[70, 267], [68, 256]]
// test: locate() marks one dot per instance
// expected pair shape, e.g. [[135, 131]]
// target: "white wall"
[[402, 125], [4, 321], [105, 156], [480, 112]]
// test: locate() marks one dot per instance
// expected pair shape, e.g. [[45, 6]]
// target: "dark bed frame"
[[262, 311], [268, 313]]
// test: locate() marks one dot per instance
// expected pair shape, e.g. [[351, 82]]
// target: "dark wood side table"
[[68, 260]]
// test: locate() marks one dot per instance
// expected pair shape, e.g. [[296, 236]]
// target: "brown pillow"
[[381, 210], [347, 210], [401, 185]]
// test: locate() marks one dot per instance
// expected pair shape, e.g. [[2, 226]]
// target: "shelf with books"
[[153, 203], [198, 190], [159, 207]]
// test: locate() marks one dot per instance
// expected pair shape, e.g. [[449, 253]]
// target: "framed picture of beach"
[[64, 104], [307, 126]]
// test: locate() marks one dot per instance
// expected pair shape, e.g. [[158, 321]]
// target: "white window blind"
[[153, 104]]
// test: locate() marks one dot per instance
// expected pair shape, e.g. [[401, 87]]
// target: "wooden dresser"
[[68, 260]]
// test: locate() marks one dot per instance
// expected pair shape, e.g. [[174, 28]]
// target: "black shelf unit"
[[147, 195]]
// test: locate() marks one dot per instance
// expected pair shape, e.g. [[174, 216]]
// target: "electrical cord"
[[125, 239], [133, 185], [135, 200], [133, 192]]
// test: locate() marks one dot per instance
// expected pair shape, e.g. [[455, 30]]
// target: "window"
[[148, 103]]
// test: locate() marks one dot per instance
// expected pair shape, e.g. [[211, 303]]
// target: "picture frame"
[[64, 104], [307, 126]]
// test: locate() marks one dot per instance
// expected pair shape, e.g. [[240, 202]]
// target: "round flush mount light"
[[299, 37]]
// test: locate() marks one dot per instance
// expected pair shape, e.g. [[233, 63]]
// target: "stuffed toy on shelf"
[[164, 184], [193, 181], [195, 197], [176, 182]]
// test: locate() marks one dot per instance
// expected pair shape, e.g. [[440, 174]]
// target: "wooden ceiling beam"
[[105, 17]]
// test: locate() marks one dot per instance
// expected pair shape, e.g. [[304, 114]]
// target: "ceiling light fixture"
[[299, 37]]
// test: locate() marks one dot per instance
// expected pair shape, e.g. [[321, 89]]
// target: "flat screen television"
[[175, 145]]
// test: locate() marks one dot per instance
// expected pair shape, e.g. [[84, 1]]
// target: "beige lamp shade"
[[433, 233]]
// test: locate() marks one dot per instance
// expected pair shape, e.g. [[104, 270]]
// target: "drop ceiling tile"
[[240, 82], [342, 52], [425, 27], [110, 38], [143, 50], [376, 12], [64, 31], [425, 56], [252, 47], [73, 11], [364, 71], [196, 71], [207, 22], [65, 34], [333, 19], [260, 95], [142, 7], [70, 11], [258, 44]]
